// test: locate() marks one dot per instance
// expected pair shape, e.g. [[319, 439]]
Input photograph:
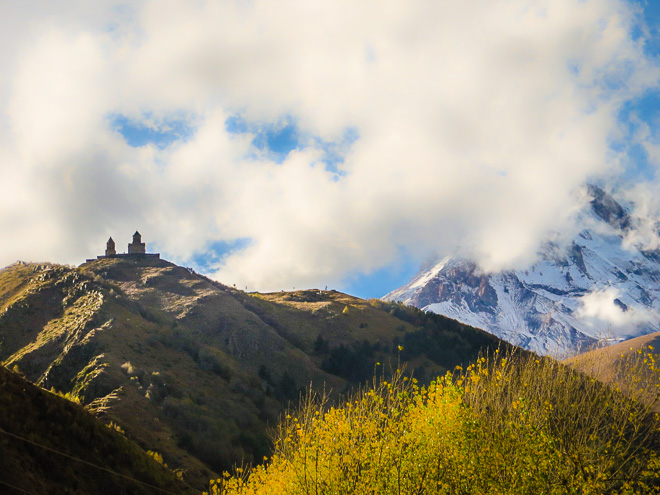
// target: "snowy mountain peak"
[[594, 288], [607, 209]]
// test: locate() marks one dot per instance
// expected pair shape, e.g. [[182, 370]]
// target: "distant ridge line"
[[125, 255]]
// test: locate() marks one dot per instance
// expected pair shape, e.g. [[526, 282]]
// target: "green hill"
[[196, 370]]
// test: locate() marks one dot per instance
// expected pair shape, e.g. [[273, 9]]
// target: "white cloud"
[[599, 309], [645, 216], [476, 122]]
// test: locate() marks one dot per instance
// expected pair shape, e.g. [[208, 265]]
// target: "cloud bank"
[[471, 124], [602, 309]]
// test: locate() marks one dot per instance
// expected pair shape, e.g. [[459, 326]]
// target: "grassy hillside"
[[628, 365], [199, 371], [50, 445]]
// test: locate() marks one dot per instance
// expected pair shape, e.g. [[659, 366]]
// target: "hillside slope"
[[196, 370], [50, 445], [629, 364]]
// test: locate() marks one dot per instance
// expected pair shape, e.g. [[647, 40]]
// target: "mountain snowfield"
[[598, 288]]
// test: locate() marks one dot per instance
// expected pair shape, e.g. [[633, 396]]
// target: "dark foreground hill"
[[195, 370], [50, 445]]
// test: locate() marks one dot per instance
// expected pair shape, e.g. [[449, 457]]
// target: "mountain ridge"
[[197, 370]]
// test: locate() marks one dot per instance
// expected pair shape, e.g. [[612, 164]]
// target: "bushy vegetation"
[[509, 423]]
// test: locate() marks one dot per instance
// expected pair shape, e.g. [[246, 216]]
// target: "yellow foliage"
[[70, 396], [523, 426], [157, 457]]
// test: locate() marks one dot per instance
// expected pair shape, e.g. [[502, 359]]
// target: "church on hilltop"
[[137, 248]]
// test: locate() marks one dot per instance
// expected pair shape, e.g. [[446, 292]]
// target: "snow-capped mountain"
[[596, 288]]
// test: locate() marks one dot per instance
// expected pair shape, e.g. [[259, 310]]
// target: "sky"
[[299, 144]]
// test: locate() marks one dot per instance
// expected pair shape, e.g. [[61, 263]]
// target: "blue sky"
[[324, 143], [276, 140]]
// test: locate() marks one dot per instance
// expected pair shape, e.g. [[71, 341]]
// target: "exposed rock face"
[[594, 289]]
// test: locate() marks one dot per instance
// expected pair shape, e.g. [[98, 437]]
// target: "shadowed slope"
[[50, 445]]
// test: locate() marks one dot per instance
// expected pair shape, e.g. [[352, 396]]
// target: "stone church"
[[137, 248]]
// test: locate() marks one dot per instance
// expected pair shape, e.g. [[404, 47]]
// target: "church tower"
[[137, 246], [136, 249], [110, 248]]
